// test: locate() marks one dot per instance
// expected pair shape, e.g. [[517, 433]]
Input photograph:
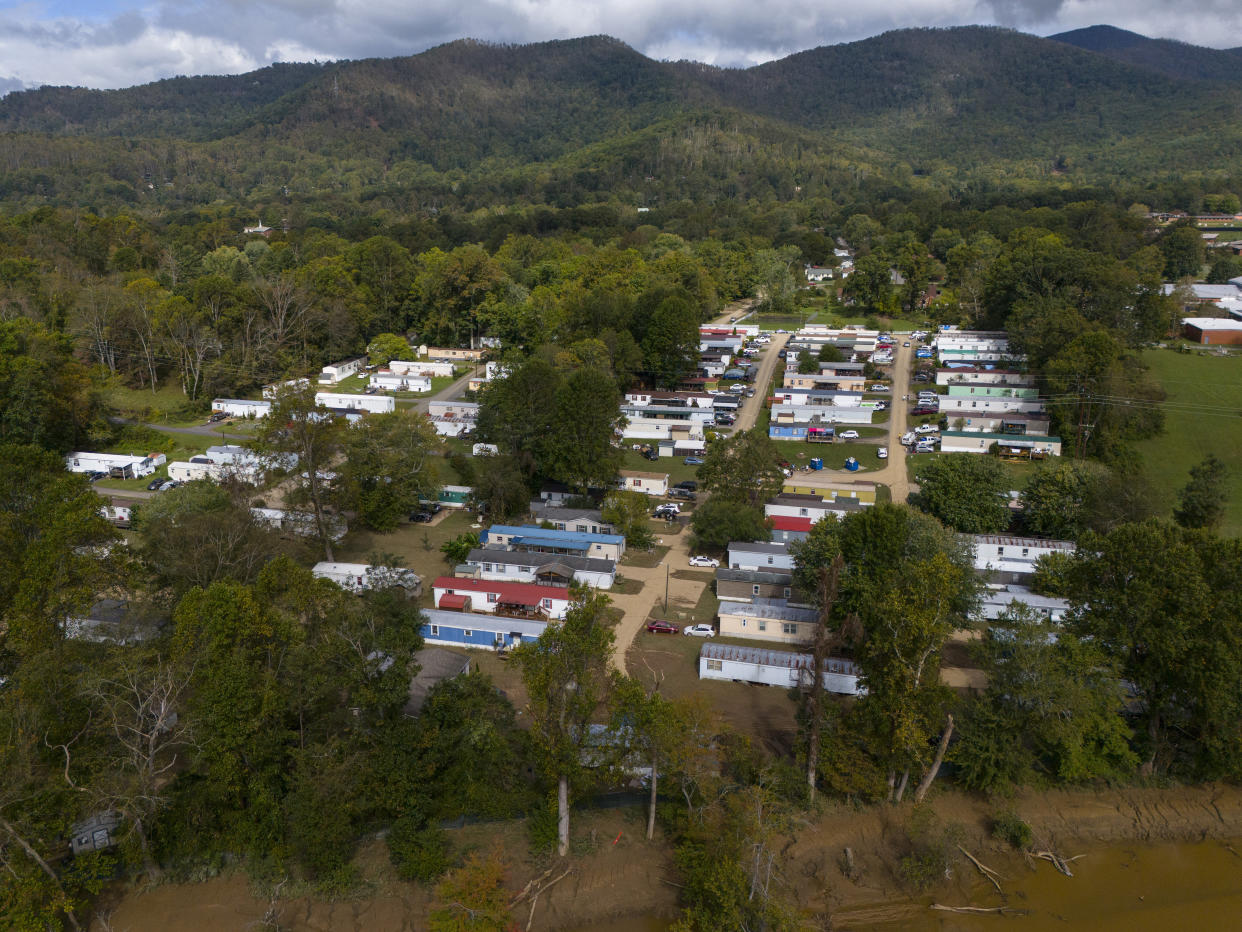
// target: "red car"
[[656, 626]]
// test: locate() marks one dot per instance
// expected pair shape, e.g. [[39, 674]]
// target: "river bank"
[[1146, 853]]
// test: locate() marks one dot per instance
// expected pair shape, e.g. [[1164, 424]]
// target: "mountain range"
[[571, 119]]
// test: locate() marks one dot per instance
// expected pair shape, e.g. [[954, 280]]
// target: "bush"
[[541, 825], [419, 851], [1007, 826]]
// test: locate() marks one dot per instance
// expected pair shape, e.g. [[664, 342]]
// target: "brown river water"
[[1130, 887]]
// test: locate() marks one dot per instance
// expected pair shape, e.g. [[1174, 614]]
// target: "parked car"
[[422, 517], [687, 484], [216, 417], [667, 509], [700, 560], [922, 376], [656, 626], [925, 409], [925, 446], [168, 484], [781, 354], [685, 494], [737, 388], [154, 484], [927, 429], [650, 454], [700, 631], [750, 393], [882, 453], [907, 343], [693, 461], [881, 406], [848, 435], [879, 387]]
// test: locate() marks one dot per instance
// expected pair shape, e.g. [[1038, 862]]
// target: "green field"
[[834, 455], [166, 405], [1202, 415]]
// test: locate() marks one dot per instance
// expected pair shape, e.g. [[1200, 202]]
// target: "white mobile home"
[[969, 376], [1026, 446], [649, 483], [998, 599], [1005, 559], [952, 407], [389, 380], [331, 375], [269, 391], [361, 577], [551, 569], [775, 668], [301, 523], [426, 367], [372, 404], [759, 556], [126, 466], [241, 407]]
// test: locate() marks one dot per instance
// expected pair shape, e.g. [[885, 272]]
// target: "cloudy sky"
[[117, 43]]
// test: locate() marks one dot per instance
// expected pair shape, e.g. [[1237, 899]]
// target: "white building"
[[759, 556], [241, 407], [331, 375], [372, 404], [301, 523], [649, 483], [952, 407], [269, 391], [1008, 560], [391, 381], [128, 467], [819, 414], [542, 568], [791, 505], [997, 599], [432, 369], [775, 668], [361, 577], [970, 376], [1027, 446]]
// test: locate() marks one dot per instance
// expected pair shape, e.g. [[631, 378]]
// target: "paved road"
[[767, 366], [444, 394], [893, 473]]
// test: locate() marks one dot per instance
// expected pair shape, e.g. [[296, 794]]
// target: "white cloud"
[[169, 37]]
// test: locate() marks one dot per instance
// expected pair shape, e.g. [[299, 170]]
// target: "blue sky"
[[114, 43]]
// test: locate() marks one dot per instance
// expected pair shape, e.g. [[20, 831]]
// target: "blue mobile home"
[[489, 632]]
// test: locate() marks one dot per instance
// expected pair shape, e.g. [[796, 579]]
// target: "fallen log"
[[1060, 863], [980, 910], [984, 870]]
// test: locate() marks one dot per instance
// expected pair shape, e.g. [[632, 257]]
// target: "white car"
[[882, 453], [668, 508], [908, 438], [704, 561], [927, 429], [848, 435], [699, 631], [881, 406], [879, 388]]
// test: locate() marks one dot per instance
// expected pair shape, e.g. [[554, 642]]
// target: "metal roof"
[[774, 658]]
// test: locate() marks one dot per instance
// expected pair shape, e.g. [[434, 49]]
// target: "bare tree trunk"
[[934, 769], [901, 787], [828, 579], [891, 780], [562, 816], [651, 806], [43, 866]]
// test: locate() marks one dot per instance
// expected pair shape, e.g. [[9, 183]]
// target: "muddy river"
[[1135, 888]]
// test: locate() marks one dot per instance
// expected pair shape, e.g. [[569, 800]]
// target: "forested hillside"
[[1164, 56], [468, 124]]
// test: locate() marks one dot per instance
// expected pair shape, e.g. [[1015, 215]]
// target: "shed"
[[650, 483], [435, 665]]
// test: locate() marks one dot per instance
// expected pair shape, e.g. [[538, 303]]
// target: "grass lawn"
[[648, 560], [1203, 415], [417, 546], [167, 405], [677, 470], [834, 455], [1017, 473]]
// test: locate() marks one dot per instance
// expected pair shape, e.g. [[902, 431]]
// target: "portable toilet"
[[851, 464], [817, 463]]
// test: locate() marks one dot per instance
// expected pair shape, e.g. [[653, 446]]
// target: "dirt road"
[[683, 594], [771, 358]]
